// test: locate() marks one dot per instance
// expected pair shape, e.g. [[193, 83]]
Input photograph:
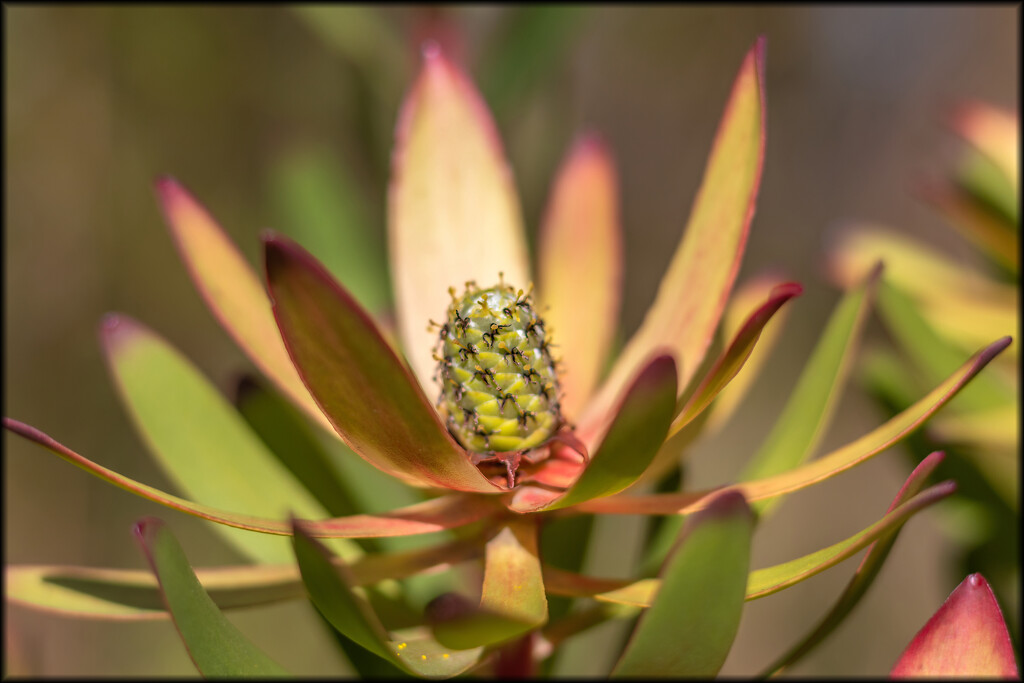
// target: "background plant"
[[139, 95], [932, 306]]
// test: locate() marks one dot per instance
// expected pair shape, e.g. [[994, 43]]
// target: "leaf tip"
[[146, 528], [966, 636], [116, 330], [728, 503]]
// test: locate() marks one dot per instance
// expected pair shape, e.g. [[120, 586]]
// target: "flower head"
[[511, 439]]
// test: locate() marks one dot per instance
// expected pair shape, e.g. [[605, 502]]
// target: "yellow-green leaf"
[[696, 286], [453, 212]]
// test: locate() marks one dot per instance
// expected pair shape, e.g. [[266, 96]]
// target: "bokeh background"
[[282, 117]]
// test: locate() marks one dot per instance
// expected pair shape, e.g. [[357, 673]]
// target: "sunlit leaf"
[[963, 305], [581, 237], [332, 588], [812, 403], [232, 290], [827, 466], [694, 617], [761, 582], [368, 394], [733, 358], [216, 646], [865, 574], [453, 212], [934, 357], [199, 439], [696, 286], [744, 303], [630, 445], [773, 579], [291, 440], [132, 595], [966, 637], [512, 601], [432, 515]]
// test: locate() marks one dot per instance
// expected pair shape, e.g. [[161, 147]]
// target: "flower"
[[454, 218]]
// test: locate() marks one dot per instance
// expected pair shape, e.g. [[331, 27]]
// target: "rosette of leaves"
[[317, 475], [934, 306]]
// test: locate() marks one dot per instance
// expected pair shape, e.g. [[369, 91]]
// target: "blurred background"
[[282, 118]]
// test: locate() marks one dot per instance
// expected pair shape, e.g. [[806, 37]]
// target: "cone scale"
[[499, 387]]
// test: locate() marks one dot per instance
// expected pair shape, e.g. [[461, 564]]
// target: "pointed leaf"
[[199, 440], [778, 577], [331, 587], [733, 358], [367, 393], [513, 600], [746, 302], [133, 595], [966, 637], [761, 582], [811, 405], [291, 440], [432, 515], [630, 445], [827, 466], [934, 356], [216, 646], [690, 627], [946, 293], [232, 290], [580, 267], [695, 289], [453, 212], [865, 574]]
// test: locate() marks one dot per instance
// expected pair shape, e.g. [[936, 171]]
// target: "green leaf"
[[733, 358], [331, 587], [966, 637], [827, 466], [695, 288], [935, 356], [693, 620], [132, 595], [762, 582], [526, 48], [321, 207], [638, 430], [432, 515], [200, 441], [367, 393], [863, 577], [811, 405], [778, 577], [745, 302], [215, 645], [231, 290], [292, 441], [513, 600]]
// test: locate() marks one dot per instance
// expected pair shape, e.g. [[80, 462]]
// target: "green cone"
[[499, 389]]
